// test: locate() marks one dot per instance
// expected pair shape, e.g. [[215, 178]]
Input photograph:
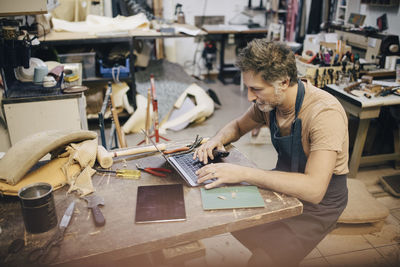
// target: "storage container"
[[87, 60]]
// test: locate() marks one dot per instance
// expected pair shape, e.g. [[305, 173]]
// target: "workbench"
[[366, 109], [120, 238], [240, 31], [76, 38], [30, 115]]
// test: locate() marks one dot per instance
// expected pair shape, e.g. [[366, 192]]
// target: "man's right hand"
[[205, 150]]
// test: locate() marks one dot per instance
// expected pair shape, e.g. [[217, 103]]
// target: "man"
[[309, 131]]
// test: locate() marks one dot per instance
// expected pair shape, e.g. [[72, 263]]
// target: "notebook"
[[160, 203], [231, 197]]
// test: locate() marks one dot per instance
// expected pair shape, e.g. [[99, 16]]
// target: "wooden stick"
[[137, 150], [155, 108], [120, 135], [147, 127]]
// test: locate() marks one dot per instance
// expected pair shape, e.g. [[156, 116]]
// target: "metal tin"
[[38, 209]]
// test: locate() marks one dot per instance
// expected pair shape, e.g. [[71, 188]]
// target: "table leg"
[[132, 59], [221, 74], [396, 142], [358, 147]]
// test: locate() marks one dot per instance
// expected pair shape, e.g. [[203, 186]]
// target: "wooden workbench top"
[[85, 245]]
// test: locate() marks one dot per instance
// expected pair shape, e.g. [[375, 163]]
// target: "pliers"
[[185, 149], [154, 171]]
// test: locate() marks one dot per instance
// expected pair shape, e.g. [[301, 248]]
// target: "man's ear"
[[283, 85]]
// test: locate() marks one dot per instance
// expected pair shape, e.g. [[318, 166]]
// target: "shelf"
[[104, 79]]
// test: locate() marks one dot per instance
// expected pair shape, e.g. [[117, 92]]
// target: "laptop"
[[185, 165]]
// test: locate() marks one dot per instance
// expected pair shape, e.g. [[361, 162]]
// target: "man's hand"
[[205, 150], [224, 173]]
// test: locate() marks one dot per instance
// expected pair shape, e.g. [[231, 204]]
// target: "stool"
[[363, 214]]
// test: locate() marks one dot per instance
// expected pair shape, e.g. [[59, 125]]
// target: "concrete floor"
[[377, 249]]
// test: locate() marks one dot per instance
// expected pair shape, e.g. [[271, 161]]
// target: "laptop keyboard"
[[190, 165]]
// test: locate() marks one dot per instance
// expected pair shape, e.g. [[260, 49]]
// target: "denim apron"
[[288, 241]]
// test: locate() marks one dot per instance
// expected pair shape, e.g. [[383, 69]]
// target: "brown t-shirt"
[[324, 124]]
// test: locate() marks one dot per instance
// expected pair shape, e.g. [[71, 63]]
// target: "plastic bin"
[[123, 70], [87, 59]]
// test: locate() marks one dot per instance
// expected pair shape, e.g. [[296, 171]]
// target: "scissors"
[[154, 171], [50, 251]]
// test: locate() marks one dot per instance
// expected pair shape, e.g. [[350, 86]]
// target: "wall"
[[373, 12]]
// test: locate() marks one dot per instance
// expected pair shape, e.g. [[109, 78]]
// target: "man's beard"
[[264, 107], [268, 106]]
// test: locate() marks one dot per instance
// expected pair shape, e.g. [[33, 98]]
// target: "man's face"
[[265, 95]]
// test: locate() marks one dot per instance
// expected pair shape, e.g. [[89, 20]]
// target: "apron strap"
[[296, 129]]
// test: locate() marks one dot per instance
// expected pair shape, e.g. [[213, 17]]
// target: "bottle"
[[180, 16], [398, 70]]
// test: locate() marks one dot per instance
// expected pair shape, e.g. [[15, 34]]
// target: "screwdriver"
[[124, 173]]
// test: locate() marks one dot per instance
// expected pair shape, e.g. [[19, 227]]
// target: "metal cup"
[[37, 205]]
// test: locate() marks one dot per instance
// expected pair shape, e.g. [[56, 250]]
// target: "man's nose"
[[250, 95]]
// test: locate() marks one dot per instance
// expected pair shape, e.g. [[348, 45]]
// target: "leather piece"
[[22, 156], [49, 173]]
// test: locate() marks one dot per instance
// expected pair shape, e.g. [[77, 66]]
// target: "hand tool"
[[367, 95], [364, 79], [50, 251], [14, 248], [125, 173], [93, 203], [154, 171], [189, 148], [105, 158]]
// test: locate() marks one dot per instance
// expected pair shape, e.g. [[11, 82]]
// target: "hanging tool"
[[330, 72], [154, 171], [316, 78], [50, 251], [323, 78], [124, 173], [337, 81], [93, 203]]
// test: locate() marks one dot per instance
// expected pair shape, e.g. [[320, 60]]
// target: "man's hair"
[[273, 60]]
